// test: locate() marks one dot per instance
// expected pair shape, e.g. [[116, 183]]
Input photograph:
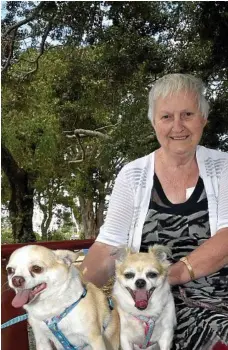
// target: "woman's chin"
[[181, 149]]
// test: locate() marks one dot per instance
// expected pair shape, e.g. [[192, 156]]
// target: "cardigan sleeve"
[[223, 199], [115, 230]]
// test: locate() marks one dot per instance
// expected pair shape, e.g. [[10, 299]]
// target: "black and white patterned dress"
[[183, 227]]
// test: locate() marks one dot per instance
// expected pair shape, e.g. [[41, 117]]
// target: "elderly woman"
[[174, 197]]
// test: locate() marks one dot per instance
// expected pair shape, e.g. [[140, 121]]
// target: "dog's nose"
[[18, 281], [140, 283]]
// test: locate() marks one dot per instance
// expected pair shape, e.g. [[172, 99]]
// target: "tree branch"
[[82, 152], [24, 21], [5, 67], [14, 29], [107, 126], [83, 132], [78, 133], [41, 49]]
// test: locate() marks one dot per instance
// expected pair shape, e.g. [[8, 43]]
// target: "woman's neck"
[[183, 161]]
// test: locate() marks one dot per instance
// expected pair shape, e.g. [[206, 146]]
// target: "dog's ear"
[[121, 253], [67, 256], [160, 251]]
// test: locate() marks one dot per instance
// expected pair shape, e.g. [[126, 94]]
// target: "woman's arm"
[[212, 255], [99, 263]]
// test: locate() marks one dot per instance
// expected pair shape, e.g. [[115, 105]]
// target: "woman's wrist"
[[188, 266], [178, 274]]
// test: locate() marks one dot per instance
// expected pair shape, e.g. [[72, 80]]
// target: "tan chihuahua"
[[62, 309], [145, 303]]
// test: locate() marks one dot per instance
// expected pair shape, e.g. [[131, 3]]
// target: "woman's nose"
[[177, 124]]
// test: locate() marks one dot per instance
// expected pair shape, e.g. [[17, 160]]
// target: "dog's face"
[[36, 272], [142, 273]]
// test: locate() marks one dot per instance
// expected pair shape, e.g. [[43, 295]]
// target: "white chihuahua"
[[62, 309], [145, 303]]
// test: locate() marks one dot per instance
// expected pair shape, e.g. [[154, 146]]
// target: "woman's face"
[[178, 122]]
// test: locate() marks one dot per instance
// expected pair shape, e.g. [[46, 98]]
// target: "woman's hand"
[[99, 264], [208, 258]]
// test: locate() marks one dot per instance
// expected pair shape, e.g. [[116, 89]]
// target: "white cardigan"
[[131, 194]]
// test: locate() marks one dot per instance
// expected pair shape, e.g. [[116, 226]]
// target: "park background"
[[75, 82]]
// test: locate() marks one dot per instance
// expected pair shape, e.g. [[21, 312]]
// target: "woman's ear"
[[205, 122]]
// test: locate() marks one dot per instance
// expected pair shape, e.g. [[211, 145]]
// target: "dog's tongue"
[[141, 300], [21, 298]]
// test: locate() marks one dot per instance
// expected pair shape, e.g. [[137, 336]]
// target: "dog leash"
[[14, 321], [222, 308]]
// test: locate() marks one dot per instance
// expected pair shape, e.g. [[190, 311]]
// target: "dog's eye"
[[36, 269], [151, 275], [129, 275], [10, 270]]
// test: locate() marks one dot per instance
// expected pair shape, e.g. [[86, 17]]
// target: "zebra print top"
[[131, 194], [183, 227]]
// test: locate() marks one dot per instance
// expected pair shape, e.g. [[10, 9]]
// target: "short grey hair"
[[171, 84]]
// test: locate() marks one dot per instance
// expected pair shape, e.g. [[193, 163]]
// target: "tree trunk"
[[92, 216], [21, 201], [47, 217], [88, 219], [100, 215]]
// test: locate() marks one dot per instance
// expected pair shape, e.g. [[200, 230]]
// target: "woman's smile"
[[178, 138]]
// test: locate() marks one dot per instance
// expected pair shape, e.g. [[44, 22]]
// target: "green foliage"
[[94, 73], [6, 236], [59, 235]]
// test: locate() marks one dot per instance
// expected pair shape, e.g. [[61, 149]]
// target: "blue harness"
[[53, 326]]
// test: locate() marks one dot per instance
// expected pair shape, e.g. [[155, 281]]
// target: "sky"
[[3, 9]]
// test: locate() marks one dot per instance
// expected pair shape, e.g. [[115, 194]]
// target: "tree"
[[21, 201], [39, 22], [86, 97], [76, 77], [199, 47], [112, 109], [35, 23], [47, 199]]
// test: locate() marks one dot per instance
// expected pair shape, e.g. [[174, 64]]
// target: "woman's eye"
[[187, 114], [129, 275], [166, 116]]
